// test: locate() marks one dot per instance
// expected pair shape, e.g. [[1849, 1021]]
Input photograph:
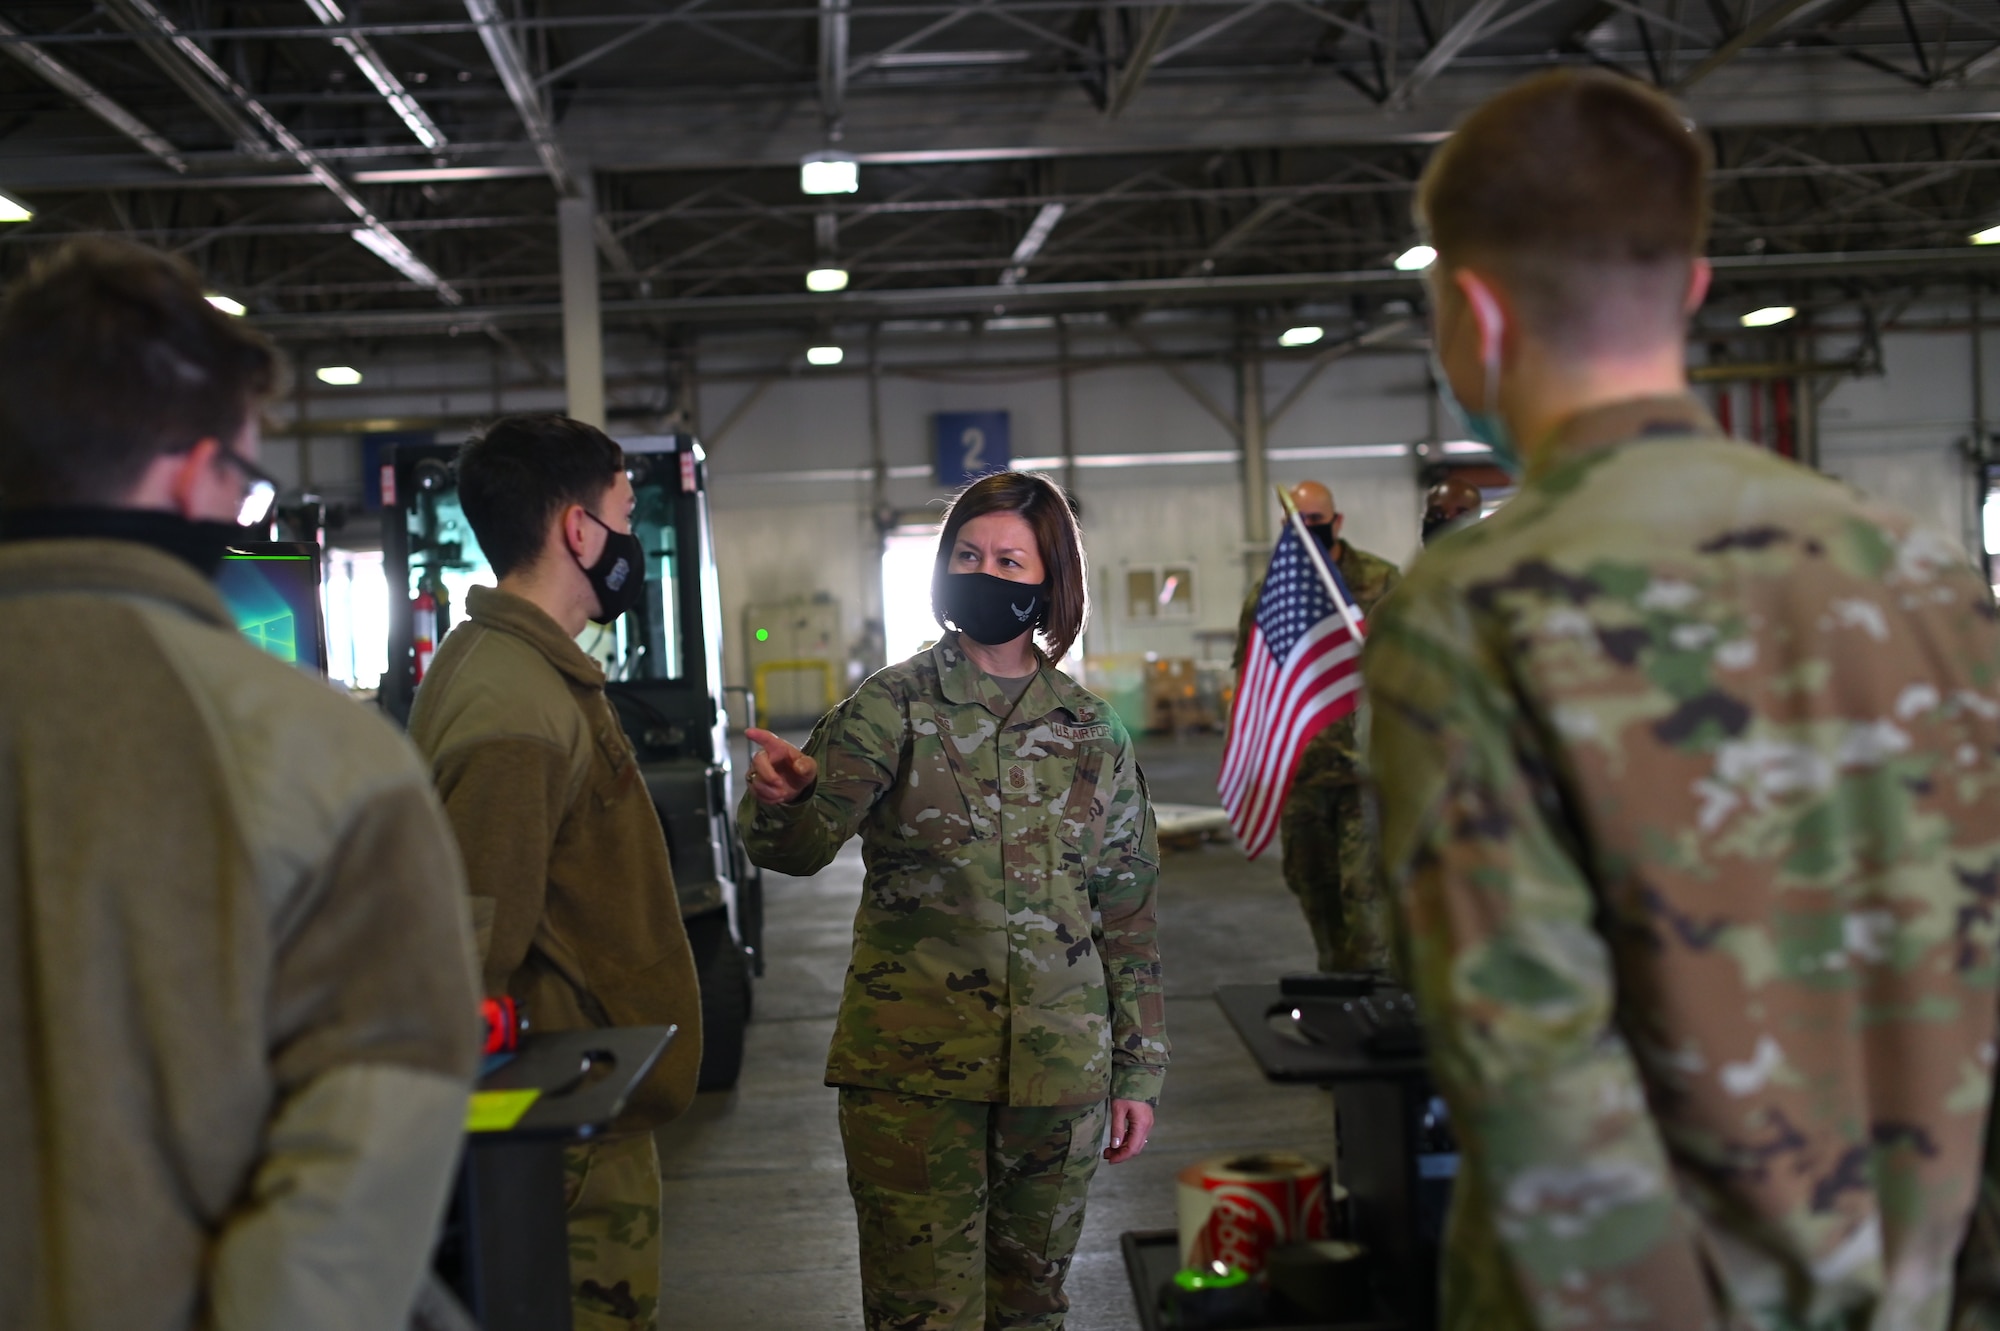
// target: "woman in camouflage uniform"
[[1002, 1018]]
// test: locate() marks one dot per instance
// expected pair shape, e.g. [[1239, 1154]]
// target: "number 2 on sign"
[[974, 440]]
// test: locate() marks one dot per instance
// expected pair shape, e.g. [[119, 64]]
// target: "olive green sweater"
[[568, 867], [237, 1011]]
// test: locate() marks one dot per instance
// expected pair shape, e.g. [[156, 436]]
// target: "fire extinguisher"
[[423, 630]]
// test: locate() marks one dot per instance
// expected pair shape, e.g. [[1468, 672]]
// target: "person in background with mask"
[[572, 891], [1452, 503], [1689, 762], [1328, 840], [1002, 1018], [237, 1010]]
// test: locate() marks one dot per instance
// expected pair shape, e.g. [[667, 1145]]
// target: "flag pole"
[[1319, 561]]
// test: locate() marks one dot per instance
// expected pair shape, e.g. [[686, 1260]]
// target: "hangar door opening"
[[907, 559]]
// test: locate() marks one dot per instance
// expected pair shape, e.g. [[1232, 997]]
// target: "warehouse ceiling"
[[395, 166]]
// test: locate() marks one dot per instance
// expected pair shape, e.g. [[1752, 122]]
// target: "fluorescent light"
[[13, 210], [826, 279], [1990, 236], [371, 65], [1770, 314], [1415, 258], [823, 355], [1465, 447], [1031, 244], [829, 173], [344, 375], [383, 243], [1301, 337], [225, 304]]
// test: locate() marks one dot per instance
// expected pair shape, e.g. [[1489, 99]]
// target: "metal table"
[[505, 1249], [1323, 1041]]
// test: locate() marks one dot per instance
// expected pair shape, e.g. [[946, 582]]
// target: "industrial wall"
[[1159, 476]]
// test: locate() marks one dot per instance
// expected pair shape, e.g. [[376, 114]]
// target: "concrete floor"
[[759, 1231]]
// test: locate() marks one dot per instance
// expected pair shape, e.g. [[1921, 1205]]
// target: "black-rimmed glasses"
[[261, 495]]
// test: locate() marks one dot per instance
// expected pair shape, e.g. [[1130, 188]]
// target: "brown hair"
[[525, 470], [1046, 509], [1573, 187], [110, 356]]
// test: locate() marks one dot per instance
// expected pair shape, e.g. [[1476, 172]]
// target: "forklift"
[[663, 672]]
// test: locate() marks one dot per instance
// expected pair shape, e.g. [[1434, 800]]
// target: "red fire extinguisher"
[[423, 631]]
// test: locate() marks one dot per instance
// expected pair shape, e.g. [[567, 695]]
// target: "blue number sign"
[[970, 444]]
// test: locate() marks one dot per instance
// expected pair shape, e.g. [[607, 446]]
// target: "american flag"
[[1301, 673]]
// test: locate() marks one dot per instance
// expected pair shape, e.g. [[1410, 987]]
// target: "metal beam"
[[1471, 24], [376, 70], [521, 90], [832, 64], [526, 95], [1139, 61], [1001, 122], [373, 233], [1187, 385], [1036, 236], [93, 99], [168, 48], [1958, 261], [1763, 26], [1237, 234], [1381, 333]]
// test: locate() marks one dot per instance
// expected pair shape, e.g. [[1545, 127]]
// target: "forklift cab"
[[663, 669]]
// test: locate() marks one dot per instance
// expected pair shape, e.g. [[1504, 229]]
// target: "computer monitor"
[[273, 590]]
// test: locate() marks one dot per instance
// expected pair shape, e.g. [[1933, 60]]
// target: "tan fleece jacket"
[[562, 845], [237, 1010]]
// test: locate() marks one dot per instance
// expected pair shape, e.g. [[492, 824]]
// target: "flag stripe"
[[1301, 673]]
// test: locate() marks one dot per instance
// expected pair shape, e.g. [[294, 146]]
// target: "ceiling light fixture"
[[829, 173], [371, 65], [385, 246], [827, 279], [344, 376], [1032, 241], [225, 304], [13, 210], [1303, 336], [1990, 236], [824, 355], [1416, 259], [1770, 314]]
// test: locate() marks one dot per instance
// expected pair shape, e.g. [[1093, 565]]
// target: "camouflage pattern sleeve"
[[1562, 1169], [1123, 887], [857, 746], [1244, 621]]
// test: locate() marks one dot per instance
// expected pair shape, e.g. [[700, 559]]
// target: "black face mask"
[[1323, 533], [993, 610], [200, 544], [619, 575]]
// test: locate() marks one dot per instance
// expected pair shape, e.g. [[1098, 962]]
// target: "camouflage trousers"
[[969, 1212], [1330, 865], [611, 1192]]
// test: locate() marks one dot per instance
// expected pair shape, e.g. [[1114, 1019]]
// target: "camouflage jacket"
[[1005, 946], [1689, 766], [1333, 756]]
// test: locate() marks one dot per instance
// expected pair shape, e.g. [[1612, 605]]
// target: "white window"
[[1157, 593], [357, 617]]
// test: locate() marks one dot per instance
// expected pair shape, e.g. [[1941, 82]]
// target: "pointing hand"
[[779, 773]]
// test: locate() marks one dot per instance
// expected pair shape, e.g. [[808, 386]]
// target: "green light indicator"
[[763, 635]]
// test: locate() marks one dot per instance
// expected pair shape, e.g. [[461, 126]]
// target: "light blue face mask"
[[1488, 426]]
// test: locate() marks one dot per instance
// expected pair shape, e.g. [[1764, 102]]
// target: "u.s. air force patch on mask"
[[1080, 734]]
